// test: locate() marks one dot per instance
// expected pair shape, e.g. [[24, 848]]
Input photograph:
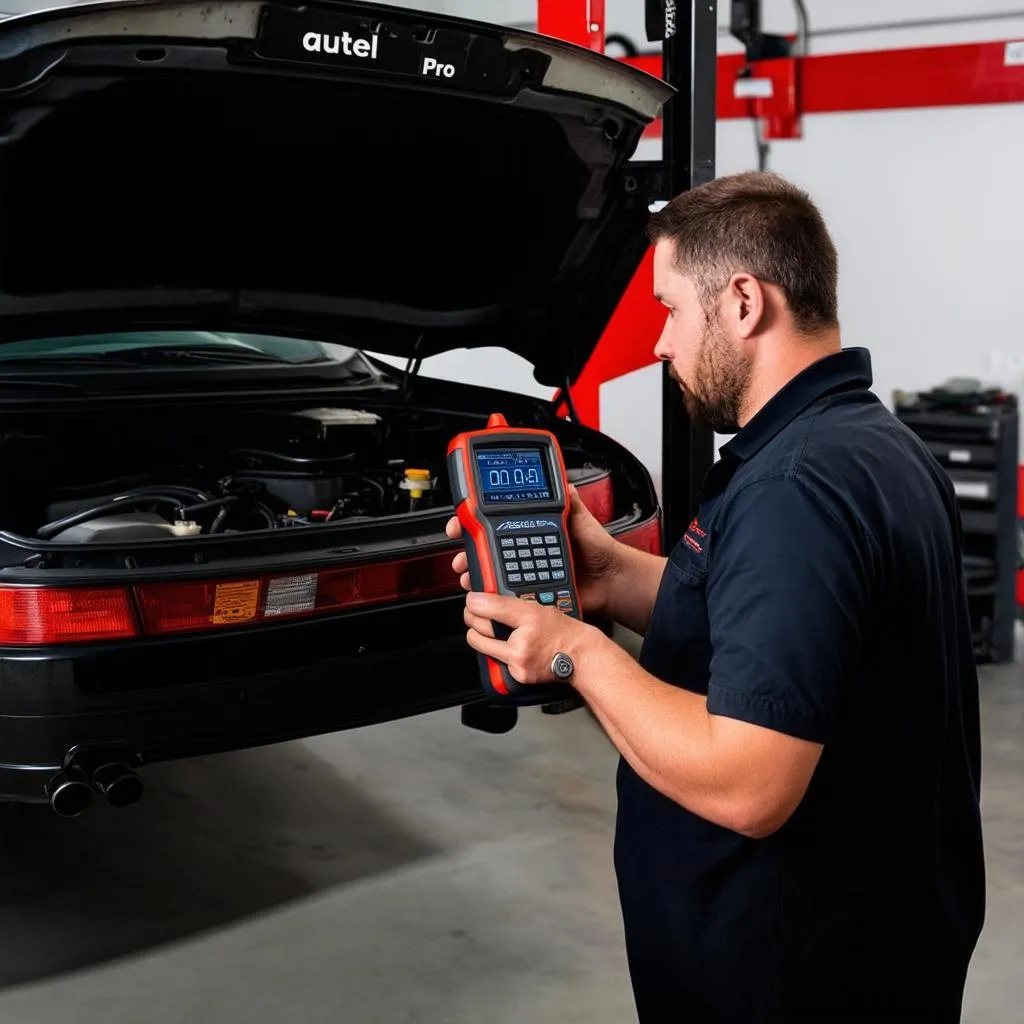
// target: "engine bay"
[[103, 482]]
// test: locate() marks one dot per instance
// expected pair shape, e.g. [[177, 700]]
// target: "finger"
[[483, 626], [465, 581], [460, 563], [487, 645], [453, 528], [508, 610]]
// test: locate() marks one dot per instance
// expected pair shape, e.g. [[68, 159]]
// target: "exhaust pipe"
[[69, 796], [121, 785], [104, 770]]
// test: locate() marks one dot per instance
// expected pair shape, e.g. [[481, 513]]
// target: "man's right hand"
[[596, 557]]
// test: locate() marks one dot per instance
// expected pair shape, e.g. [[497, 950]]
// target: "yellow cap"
[[417, 474]]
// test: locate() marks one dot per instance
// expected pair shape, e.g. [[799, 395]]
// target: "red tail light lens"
[[598, 497], [184, 607], [34, 616], [188, 607], [646, 537], [37, 616], [376, 584]]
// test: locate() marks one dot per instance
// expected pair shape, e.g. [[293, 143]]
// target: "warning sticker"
[[236, 602]]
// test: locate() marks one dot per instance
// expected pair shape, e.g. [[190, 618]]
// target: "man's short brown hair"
[[761, 224]]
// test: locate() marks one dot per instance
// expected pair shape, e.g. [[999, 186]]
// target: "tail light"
[[40, 616], [597, 494], [646, 537], [188, 607], [33, 616]]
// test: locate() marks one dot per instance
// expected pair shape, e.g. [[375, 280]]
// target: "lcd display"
[[513, 475]]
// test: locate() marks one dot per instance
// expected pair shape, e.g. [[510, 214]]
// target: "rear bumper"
[[201, 696]]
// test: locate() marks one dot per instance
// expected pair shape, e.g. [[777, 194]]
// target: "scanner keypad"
[[534, 565]]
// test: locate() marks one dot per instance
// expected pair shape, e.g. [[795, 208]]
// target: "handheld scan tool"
[[511, 496]]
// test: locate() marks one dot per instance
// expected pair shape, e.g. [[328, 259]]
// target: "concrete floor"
[[417, 872]]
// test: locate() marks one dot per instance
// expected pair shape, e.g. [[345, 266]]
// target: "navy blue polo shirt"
[[818, 592]]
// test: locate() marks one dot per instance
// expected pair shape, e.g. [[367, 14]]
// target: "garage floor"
[[415, 872]]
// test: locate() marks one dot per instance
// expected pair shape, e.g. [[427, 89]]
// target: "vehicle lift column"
[[688, 32]]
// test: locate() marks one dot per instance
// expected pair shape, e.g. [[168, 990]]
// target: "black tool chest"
[[974, 433]]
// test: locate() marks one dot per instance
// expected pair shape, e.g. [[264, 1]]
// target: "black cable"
[[627, 44], [567, 395], [218, 523], [48, 530], [803, 28], [188, 511]]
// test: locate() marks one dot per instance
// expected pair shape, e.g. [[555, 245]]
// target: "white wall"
[[925, 207]]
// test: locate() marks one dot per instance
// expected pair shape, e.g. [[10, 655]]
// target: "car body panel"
[[239, 168], [214, 122]]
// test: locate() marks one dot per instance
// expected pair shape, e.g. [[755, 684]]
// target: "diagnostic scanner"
[[511, 496]]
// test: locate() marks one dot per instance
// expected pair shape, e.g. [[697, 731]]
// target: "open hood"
[[403, 182]]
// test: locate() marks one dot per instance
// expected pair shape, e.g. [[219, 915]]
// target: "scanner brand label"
[[526, 524], [344, 44], [400, 45]]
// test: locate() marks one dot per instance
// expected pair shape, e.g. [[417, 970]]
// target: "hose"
[[49, 530], [263, 511]]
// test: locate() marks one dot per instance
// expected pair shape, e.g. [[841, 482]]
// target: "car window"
[[121, 344]]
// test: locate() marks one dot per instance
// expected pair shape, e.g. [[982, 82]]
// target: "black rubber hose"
[[193, 494], [188, 511], [48, 530], [255, 506], [267, 513], [218, 522]]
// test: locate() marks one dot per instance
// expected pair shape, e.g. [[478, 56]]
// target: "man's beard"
[[714, 396]]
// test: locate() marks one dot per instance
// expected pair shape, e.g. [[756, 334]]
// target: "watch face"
[[561, 666]]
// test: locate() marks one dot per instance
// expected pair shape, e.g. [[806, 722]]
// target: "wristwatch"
[[562, 666]]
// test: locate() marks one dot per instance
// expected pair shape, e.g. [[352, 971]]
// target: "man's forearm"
[[719, 769], [633, 588]]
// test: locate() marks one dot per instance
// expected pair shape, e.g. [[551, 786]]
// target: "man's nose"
[[662, 350]]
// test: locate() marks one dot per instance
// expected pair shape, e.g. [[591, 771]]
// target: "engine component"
[[130, 526], [295, 470], [416, 482]]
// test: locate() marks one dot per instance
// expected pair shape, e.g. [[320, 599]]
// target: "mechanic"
[[798, 833]]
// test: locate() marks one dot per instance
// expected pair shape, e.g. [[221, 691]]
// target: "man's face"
[[709, 365]]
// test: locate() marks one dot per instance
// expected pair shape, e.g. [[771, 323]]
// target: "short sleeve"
[[787, 595]]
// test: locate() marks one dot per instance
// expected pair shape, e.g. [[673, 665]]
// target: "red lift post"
[[687, 32], [779, 91]]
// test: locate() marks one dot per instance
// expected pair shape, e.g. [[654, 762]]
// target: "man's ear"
[[747, 304]]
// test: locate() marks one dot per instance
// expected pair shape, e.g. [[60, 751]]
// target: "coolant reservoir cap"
[[417, 474]]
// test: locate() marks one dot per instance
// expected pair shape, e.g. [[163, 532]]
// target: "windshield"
[[156, 348]]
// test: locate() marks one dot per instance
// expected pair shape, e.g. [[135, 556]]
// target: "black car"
[[222, 524]]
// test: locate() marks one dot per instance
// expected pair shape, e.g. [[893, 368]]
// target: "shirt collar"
[[842, 371]]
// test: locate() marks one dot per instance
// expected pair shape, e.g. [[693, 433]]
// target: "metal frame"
[[953, 75], [689, 63]]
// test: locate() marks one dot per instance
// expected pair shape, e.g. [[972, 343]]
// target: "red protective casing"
[[478, 539]]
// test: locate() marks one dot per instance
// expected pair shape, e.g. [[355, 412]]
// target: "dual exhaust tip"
[[86, 774]]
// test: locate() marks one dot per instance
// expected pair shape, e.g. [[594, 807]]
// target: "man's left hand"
[[539, 632]]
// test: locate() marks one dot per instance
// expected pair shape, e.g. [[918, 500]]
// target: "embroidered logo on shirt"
[[695, 530]]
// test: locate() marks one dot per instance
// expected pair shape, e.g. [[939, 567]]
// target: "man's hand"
[[740, 776], [538, 634], [596, 556]]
